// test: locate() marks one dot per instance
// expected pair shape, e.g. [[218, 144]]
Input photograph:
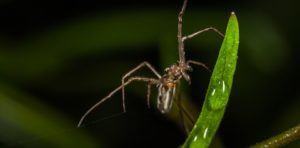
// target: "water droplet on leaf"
[[218, 94]]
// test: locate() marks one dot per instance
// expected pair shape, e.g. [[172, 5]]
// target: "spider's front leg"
[[202, 31], [198, 64]]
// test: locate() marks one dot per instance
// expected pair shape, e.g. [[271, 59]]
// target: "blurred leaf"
[[218, 90], [29, 123]]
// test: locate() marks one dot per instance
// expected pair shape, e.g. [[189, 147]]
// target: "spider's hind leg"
[[185, 117]]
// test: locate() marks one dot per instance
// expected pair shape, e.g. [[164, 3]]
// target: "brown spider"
[[166, 83]]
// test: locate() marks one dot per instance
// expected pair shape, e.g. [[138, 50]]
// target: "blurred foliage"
[[51, 74], [26, 122]]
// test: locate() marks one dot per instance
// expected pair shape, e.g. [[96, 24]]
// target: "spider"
[[165, 83]]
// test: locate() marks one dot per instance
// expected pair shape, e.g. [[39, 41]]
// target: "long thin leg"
[[179, 34], [143, 64], [201, 31], [188, 115], [181, 117], [184, 114], [153, 81], [148, 94], [197, 63]]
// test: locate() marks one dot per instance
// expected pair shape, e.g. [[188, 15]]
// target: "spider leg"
[[182, 38], [144, 79], [184, 113], [179, 33], [181, 118], [185, 75], [185, 117], [188, 115], [201, 31], [197, 63], [143, 64], [148, 93]]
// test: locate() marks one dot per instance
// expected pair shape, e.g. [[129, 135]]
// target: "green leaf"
[[218, 91]]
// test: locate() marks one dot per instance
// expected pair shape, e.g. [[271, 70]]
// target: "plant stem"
[[280, 140]]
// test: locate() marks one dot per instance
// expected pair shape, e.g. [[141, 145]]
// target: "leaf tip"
[[232, 15]]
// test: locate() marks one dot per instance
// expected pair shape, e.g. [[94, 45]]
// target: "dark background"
[[57, 58]]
